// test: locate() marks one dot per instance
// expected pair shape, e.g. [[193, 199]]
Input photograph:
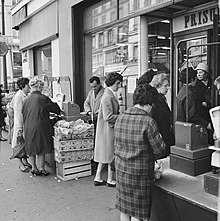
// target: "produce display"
[[64, 130], [73, 141]]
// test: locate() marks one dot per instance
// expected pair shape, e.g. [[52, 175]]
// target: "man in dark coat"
[[37, 128]]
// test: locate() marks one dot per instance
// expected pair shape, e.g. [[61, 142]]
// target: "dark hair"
[[94, 78], [145, 94], [112, 77], [191, 75], [21, 82], [146, 78]]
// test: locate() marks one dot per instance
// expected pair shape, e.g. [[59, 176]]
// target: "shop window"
[[110, 37], [17, 64], [43, 61], [101, 40], [196, 55]]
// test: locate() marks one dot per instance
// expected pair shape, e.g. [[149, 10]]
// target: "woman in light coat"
[[104, 141], [17, 104]]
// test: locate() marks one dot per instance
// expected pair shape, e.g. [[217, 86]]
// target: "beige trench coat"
[[104, 141]]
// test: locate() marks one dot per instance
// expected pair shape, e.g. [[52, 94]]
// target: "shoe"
[[44, 173], [99, 183], [113, 184], [28, 165], [26, 170], [36, 172], [3, 139]]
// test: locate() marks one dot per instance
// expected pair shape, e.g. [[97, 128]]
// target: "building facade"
[[79, 39], [11, 39]]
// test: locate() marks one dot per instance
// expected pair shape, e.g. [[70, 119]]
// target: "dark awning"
[[19, 17]]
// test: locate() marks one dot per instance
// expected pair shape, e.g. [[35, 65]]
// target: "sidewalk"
[[24, 197]]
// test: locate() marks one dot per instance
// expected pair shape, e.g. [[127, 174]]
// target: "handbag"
[[158, 169], [19, 149]]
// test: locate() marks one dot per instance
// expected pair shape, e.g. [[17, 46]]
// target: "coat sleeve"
[[108, 111], [17, 106], [52, 107], [154, 138], [87, 103]]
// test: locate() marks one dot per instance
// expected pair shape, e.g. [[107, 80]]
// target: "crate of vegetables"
[[71, 145], [75, 155]]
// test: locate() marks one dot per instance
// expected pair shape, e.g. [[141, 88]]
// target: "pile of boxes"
[[73, 153]]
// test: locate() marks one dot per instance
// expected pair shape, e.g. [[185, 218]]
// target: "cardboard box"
[[211, 183], [191, 154], [73, 170], [190, 136], [191, 167]]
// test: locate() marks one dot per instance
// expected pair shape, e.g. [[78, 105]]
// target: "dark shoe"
[[44, 173], [3, 139], [28, 165], [99, 183], [26, 170], [35, 172], [111, 184]]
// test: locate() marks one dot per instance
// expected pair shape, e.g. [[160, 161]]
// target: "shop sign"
[[3, 49], [194, 20]]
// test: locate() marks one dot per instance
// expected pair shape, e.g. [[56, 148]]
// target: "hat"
[[35, 82], [202, 66]]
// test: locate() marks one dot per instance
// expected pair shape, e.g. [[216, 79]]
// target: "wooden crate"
[[74, 155], [72, 170], [71, 145]]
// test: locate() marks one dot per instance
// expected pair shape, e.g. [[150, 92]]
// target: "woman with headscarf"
[[104, 141], [37, 128], [18, 125]]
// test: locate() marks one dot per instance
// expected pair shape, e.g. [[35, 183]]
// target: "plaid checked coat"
[[136, 141]]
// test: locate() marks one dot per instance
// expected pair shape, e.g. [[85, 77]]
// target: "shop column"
[[143, 51]]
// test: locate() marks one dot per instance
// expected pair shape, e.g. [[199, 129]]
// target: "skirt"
[[134, 194]]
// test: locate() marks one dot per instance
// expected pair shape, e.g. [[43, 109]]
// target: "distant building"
[[11, 38]]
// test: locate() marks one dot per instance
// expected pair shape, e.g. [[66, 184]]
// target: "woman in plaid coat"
[[137, 140]]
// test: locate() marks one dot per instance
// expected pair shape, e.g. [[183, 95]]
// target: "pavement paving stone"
[[24, 197]]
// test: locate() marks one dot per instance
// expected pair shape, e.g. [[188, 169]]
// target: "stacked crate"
[[73, 153]]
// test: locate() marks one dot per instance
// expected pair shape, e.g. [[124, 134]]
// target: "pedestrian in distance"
[[137, 141], [92, 104], [161, 112], [37, 127], [18, 124], [104, 141]]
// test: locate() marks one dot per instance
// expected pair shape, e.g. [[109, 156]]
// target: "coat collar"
[[136, 111], [110, 93], [101, 91]]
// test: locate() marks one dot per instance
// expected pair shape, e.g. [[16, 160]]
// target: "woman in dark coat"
[[161, 112], [137, 140], [37, 128]]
